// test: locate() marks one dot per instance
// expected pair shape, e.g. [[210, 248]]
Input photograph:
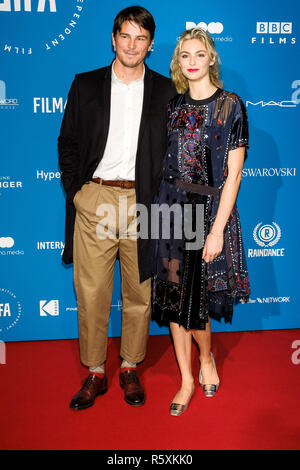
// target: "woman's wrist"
[[220, 235], [217, 231]]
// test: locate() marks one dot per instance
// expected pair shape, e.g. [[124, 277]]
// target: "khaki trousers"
[[102, 228]]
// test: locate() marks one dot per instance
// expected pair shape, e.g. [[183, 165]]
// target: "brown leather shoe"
[[92, 387], [134, 392]]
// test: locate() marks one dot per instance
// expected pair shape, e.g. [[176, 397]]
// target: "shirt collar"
[[116, 80]]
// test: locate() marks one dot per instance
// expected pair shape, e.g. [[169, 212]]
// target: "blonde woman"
[[192, 281]]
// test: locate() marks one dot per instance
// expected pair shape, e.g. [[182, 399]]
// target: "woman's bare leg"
[[183, 346], [203, 339]]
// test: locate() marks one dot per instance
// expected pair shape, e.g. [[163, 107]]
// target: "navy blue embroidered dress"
[[185, 289]]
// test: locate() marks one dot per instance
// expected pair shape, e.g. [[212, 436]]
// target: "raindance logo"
[[49, 307], [266, 236], [214, 28], [45, 23], [6, 103], [273, 33], [10, 310]]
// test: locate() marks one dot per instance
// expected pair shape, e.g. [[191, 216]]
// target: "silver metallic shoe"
[[209, 389], [176, 409]]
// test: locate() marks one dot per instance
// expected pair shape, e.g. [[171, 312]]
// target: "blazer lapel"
[[104, 108], [146, 104]]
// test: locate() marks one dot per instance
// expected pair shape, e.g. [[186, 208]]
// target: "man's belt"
[[193, 187], [119, 183]]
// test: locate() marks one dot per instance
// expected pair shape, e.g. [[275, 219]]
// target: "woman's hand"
[[214, 241], [212, 247]]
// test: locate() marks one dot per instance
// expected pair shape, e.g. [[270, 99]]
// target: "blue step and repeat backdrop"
[[43, 43]]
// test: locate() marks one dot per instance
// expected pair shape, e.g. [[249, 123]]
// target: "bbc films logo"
[[6, 102], [61, 19], [290, 102], [276, 33], [6, 245], [10, 310], [49, 308], [215, 28], [266, 237]]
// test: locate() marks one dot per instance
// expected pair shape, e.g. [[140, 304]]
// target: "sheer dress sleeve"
[[239, 133]]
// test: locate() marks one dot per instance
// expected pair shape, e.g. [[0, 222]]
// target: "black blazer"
[[83, 137]]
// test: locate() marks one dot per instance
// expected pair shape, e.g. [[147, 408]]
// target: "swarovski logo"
[[268, 172]]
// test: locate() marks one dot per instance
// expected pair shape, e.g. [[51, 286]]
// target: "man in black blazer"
[[111, 145]]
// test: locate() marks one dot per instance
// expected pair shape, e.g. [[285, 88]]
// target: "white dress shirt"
[[118, 161]]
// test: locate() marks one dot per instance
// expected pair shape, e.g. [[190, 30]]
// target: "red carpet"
[[256, 407]]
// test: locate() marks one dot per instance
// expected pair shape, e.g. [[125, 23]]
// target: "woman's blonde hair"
[[180, 81]]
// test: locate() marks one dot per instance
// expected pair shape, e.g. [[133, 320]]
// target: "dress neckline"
[[190, 100]]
